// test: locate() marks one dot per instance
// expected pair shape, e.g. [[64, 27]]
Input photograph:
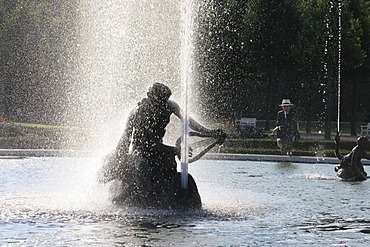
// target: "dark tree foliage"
[[355, 60], [222, 59], [37, 43], [285, 49], [271, 32], [249, 55]]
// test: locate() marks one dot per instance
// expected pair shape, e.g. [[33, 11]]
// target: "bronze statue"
[[351, 168], [145, 165]]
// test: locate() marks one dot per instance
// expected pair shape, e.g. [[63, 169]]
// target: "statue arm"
[[193, 124]]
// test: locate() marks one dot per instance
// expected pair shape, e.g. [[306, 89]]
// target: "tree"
[[221, 60], [37, 60], [271, 31], [355, 49], [309, 56]]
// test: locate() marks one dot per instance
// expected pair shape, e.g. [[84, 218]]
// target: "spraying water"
[[339, 58], [121, 54], [186, 81]]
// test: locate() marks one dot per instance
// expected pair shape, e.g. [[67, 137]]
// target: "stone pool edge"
[[18, 153]]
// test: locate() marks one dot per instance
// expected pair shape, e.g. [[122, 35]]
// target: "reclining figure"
[[351, 168]]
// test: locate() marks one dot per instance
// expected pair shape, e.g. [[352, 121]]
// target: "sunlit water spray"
[[121, 53], [125, 46], [186, 81], [333, 39], [339, 59]]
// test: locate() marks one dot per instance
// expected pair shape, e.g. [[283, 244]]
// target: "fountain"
[[118, 31], [186, 73], [339, 62], [52, 201]]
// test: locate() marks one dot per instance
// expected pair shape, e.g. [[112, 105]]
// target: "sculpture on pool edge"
[[147, 167], [350, 167]]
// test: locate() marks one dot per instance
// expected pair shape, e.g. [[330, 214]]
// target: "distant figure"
[[286, 128], [146, 166], [351, 168]]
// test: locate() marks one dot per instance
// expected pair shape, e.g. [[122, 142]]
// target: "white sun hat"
[[286, 102]]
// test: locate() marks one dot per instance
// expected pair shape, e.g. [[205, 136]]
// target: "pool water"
[[57, 202]]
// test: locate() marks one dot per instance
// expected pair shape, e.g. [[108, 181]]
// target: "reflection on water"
[[56, 201]]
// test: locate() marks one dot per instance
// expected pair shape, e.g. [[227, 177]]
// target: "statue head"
[[159, 92], [362, 142]]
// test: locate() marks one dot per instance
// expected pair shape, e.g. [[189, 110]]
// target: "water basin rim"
[[208, 156]]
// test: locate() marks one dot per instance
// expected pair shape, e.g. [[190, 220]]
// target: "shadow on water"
[[331, 222], [285, 166], [292, 169]]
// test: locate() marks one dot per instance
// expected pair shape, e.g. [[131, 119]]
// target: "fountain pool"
[[56, 201]]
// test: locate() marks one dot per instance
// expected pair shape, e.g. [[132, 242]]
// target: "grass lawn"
[[37, 136]]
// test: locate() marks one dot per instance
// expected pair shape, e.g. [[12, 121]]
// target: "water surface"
[[57, 202]]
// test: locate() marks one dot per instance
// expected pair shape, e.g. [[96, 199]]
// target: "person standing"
[[286, 128]]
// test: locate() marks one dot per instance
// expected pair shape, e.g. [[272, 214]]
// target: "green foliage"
[[282, 49], [306, 53], [38, 40], [40, 136], [250, 54], [268, 146], [354, 24], [9, 13], [223, 46], [35, 136]]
